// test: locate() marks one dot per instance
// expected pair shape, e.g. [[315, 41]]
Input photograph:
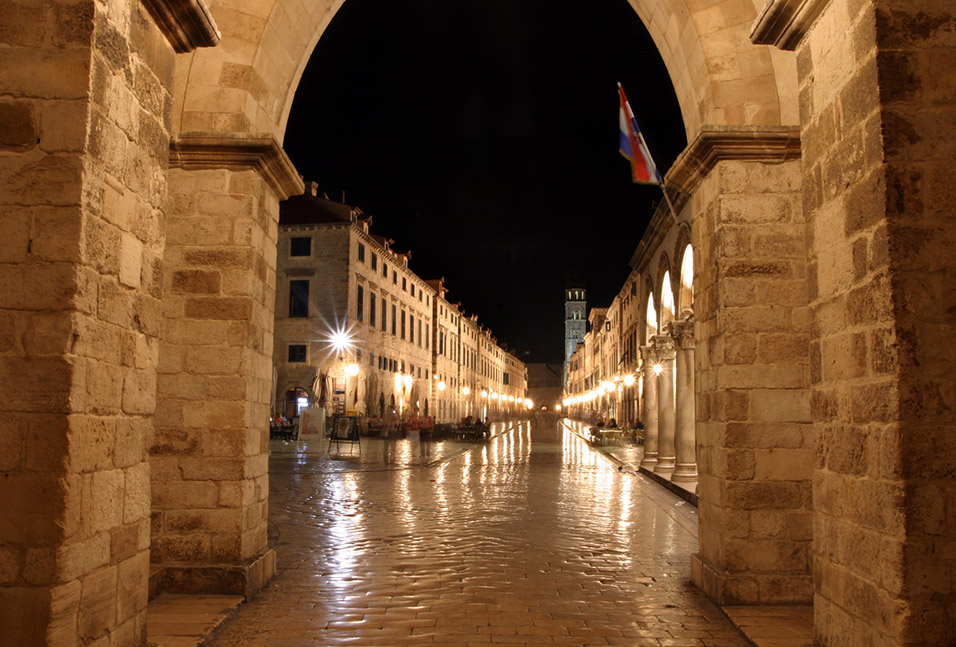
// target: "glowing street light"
[[629, 379], [442, 386], [465, 390], [352, 369], [340, 340], [658, 369]]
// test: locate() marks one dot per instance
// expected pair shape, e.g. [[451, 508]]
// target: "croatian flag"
[[633, 146]]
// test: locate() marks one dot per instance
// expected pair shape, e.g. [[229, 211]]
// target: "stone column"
[[754, 440], [686, 433], [209, 456], [84, 142], [649, 359], [664, 349]]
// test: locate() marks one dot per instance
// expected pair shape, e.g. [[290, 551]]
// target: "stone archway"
[[141, 186]]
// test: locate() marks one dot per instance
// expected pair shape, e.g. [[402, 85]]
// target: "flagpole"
[[669, 203], [660, 180]]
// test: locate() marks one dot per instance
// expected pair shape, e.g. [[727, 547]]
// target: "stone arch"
[[685, 281], [247, 84], [665, 283], [650, 316]]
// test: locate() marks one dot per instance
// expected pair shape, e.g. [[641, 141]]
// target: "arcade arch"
[[175, 160]]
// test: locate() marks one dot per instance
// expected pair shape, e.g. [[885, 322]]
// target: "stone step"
[[176, 620]]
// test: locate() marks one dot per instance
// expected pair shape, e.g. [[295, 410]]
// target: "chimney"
[[313, 189]]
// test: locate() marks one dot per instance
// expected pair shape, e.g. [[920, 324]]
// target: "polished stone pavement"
[[529, 538]]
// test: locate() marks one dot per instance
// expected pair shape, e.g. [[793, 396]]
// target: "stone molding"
[[187, 24], [657, 229], [238, 153], [714, 144], [784, 23]]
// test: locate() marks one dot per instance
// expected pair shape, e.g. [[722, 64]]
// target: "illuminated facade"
[[636, 364], [575, 318], [345, 298]]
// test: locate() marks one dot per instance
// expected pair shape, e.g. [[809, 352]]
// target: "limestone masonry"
[[799, 305]]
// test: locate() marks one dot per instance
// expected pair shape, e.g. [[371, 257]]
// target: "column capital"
[[187, 24], [261, 153], [664, 347], [683, 333]]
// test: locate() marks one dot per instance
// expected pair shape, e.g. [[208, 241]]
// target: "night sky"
[[483, 136]]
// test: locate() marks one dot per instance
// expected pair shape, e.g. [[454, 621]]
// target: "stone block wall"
[[84, 136], [878, 105], [209, 451], [754, 438]]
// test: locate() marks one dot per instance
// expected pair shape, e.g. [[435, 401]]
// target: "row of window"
[[403, 323], [406, 286]]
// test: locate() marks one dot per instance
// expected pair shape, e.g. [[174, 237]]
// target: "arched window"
[[667, 300], [650, 328], [687, 282]]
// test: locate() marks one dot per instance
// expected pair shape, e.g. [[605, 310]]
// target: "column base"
[[746, 589], [243, 579], [665, 465], [685, 473], [649, 460]]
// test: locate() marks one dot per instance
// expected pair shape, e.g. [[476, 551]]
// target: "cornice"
[[784, 23], [657, 229], [714, 144], [187, 24], [238, 152]]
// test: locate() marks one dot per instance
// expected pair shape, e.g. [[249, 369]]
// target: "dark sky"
[[483, 136]]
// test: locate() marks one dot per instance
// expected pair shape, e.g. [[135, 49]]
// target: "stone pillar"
[[664, 349], [754, 439], [686, 434], [879, 133], [649, 359], [85, 112], [209, 455]]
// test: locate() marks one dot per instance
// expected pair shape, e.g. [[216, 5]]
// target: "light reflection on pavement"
[[528, 538]]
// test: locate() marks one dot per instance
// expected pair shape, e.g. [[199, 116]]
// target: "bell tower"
[[575, 322]]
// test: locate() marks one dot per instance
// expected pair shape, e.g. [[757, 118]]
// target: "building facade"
[[357, 331]]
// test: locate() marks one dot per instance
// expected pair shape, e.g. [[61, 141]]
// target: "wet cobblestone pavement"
[[529, 538]]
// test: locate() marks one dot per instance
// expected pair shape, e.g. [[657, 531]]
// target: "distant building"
[[357, 331], [545, 384], [575, 322]]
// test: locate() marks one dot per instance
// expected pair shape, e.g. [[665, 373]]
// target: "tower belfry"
[[575, 322]]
